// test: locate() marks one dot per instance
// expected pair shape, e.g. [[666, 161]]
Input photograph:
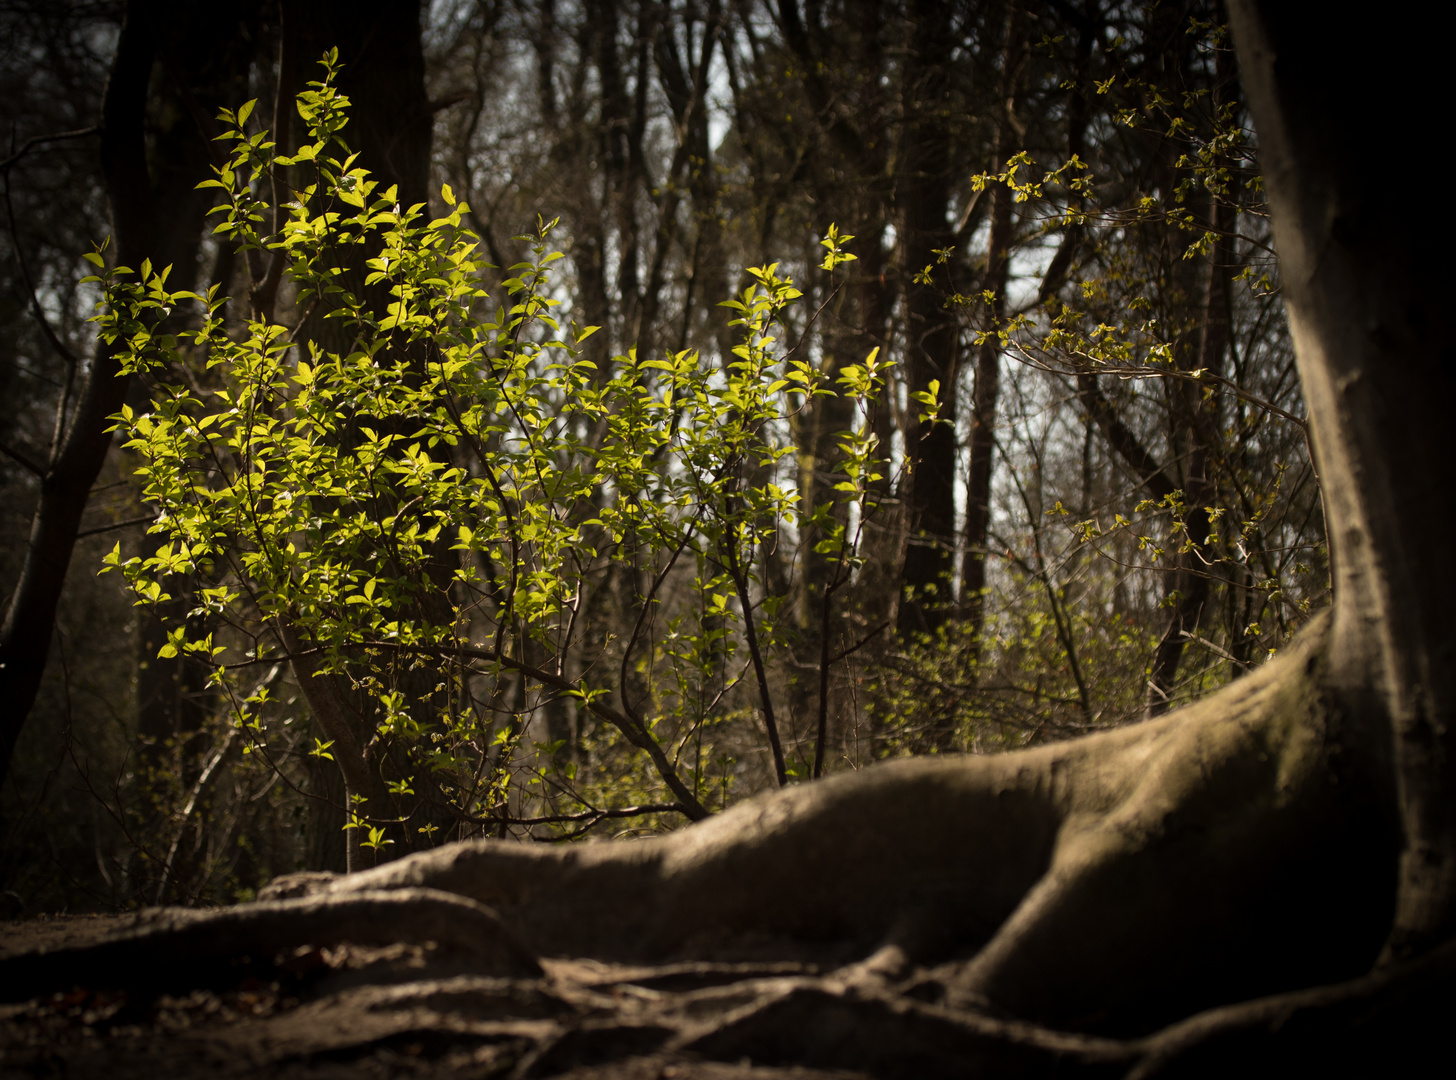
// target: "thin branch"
[[56, 343], [117, 525], [636, 734], [197, 790], [586, 815], [1060, 617], [41, 140], [647, 603], [861, 643], [21, 460], [265, 292], [64, 405], [740, 582]]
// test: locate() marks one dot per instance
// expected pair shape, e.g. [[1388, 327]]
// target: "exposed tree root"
[[1040, 913], [1235, 849], [889, 1036], [174, 948], [584, 1020]]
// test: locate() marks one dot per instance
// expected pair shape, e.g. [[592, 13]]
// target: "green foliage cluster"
[[1052, 670], [409, 489]]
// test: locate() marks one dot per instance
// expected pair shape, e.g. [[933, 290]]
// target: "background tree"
[[168, 78], [1070, 553], [149, 172]]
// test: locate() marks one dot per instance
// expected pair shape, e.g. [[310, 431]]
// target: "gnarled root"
[[1233, 849], [972, 913], [174, 948]]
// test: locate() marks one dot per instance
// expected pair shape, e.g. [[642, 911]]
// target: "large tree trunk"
[[1368, 282]]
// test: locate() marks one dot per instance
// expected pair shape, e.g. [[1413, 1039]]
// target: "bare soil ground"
[[396, 1011]]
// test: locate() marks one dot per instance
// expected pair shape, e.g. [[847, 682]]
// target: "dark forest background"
[[1057, 217]]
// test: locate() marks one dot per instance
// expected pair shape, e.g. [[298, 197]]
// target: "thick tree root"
[[1031, 914], [174, 948], [1235, 849], [595, 1020]]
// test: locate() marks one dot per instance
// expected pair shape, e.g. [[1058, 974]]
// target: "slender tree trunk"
[[1192, 580], [988, 354], [931, 332], [327, 701]]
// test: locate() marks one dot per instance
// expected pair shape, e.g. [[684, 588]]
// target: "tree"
[[152, 216], [1149, 442], [169, 74], [309, 483], [1278, 852], [1365, 285]]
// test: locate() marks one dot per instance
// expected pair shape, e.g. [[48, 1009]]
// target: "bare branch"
[[21, 460], [41, 140]]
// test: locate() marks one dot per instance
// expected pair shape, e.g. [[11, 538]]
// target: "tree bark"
[[932, 335], [156, 214], [1368, 284], [988, 353]]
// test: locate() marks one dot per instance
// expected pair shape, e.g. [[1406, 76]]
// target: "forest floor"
[[394, 1011], [413, 1008]]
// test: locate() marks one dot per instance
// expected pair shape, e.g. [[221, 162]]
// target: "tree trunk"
[[931, 345], [383, 75], [156, 213], [1191, 581], [988, 353], [1368, 284], [204, 64]]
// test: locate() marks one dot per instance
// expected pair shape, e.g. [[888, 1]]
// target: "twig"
[[63, 407], [197, 788], [740, 583], [21, 460], [860, 644], [117, 525], [636, 734], [586, 815], [39, 140], [647, 603]]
